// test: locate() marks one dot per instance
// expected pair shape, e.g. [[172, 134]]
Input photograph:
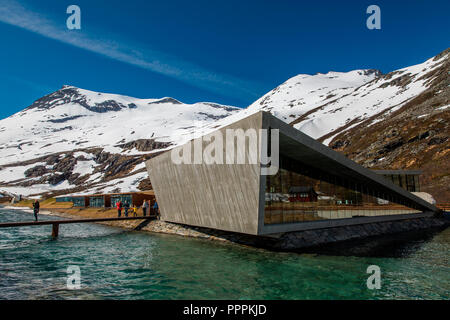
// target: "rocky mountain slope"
[[76, 140]]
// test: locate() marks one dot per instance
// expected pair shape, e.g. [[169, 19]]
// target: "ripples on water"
[[136, 265]]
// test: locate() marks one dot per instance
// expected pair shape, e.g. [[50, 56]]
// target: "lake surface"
[[118, 264]]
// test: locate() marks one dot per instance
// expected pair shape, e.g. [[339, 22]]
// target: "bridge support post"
[[55, 230]]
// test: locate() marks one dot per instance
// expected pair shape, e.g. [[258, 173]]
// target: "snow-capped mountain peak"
[[75, 140], [72, 118], [304, 92]]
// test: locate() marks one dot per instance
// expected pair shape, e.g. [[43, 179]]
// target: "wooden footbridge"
[[56, 223]]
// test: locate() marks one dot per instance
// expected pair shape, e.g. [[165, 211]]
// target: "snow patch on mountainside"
[[302, 93]]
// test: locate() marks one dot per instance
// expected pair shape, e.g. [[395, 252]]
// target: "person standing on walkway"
[[36, 207], [145, 207], [126, 207], [156, 208], [134, 211], [119, 208]]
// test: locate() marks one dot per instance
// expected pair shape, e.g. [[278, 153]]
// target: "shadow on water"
[[396, 245], [399, 245]]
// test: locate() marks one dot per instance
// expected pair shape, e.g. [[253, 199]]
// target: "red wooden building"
[[302, 194]]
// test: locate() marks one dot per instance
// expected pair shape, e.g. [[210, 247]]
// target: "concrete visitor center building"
[[312, 186]]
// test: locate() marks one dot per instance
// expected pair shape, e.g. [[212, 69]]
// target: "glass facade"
[[97, 202], [100, 201], [78, 201], [64, 199], [122, 197], [299, 193], [409, 182]]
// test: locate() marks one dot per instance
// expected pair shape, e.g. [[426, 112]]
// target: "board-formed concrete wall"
[[219, 196]]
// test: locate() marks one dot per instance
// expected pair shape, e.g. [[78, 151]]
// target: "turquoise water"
[[116, 264]]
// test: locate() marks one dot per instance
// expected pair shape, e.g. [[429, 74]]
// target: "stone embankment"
[[312, 238], [304, 239]]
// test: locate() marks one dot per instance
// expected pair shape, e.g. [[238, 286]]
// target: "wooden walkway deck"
[[56, 223]]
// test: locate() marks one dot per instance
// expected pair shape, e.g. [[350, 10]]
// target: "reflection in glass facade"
[[121, 197], [64, 199], [300, 193], [78, 201], [409, 182], [97, 202]]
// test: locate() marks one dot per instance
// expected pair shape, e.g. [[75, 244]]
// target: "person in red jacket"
[[119, 208]]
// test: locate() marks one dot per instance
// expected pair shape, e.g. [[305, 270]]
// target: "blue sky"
[[230, 52]]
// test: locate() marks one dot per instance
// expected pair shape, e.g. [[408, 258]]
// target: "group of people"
[[126, 207], [146, 204]]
